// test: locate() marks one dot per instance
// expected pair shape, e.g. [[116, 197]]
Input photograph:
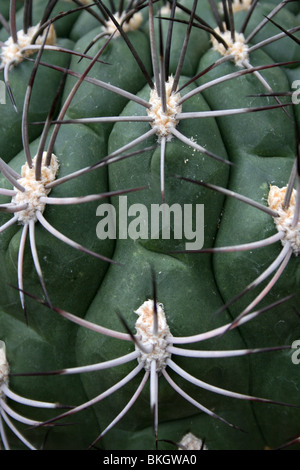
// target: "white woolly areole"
[[13, 51], [286, 216], [237, 5], [34, 189], [131, 25], [191, 442], [157, 343], [166, 10], [164, 122], [238, 48], [4, 367]]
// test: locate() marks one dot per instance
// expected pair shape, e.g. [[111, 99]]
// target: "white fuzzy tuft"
[[237, 5], [164, 122], [286, 216], [13, 51], [34, 189], [4, 367], [131, 25], [238, 48], [191, 442], [156, 343]]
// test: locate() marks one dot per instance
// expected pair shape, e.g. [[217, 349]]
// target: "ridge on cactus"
[[153, 350]]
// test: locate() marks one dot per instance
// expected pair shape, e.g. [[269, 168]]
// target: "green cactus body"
[[242, 152]]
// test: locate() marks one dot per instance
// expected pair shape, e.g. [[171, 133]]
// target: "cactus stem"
[[233, 194], [92, 12], [83, 199], [103, 119], [94, 41], [203, 26], [125, 409], [264, 82], [248, 15], [25, 137], [29, 199], [36, 47], [16, 432], [83, 369], [221, 330], [17, 416], [27, 401], [274, 38], [60, 236], [232, 45], [106, 86], [5, 25], [228, 112], [11, 175], [184, 47], [71, 96], [81, 322], [128, 42], [224, 78], [286, 32], [6, 411], [8, 224], [243, 247], [157, 361], [198, 147], [195, 403], [219, 390], [35, 258], [265, 20], [7, 82], [106, 161], [280, 260], [270, 285], [46, 22], [98, 398], [220, 354]]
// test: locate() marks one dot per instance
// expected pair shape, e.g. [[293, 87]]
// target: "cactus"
[[149, 232]]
